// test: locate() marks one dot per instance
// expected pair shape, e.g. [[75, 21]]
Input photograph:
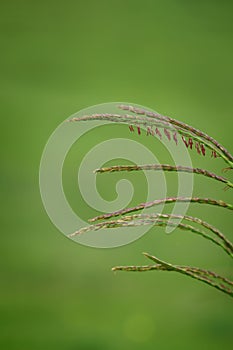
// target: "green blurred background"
[[58, 57]]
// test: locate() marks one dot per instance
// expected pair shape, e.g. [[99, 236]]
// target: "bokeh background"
[[58, 57]]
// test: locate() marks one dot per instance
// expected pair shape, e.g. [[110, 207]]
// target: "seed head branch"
[[165, 167], [211, 278], [181, 125], [168, 200], [147, 121]]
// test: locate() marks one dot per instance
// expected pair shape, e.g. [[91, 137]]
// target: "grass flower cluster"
[[163, 126]]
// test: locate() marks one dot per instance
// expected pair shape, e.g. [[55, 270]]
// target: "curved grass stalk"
[[148, 121], [211, 278], [150, 221], [164, 167], [209, 201], [228, 245], [181, 125]]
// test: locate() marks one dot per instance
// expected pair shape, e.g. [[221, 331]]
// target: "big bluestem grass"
[[158, 121], [165, 167], [211, 278], [203, 136], [155, 220], [163, 126], [168, 200]]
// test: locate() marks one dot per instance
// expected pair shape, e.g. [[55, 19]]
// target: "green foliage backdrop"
[[58, 57]]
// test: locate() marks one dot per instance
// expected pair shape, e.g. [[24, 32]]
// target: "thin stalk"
[[181, 125], [146, 121], [208, 277], [145, 205], [162, 268], [219, 234], [186, 271], [164, 167], [149, 221], [208, 273]]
